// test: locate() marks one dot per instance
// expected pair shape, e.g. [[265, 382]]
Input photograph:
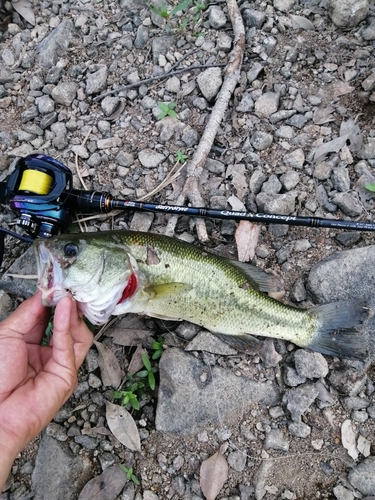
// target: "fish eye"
[[70, 250]]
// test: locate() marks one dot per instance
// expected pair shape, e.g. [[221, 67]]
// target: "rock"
[[367, 152], [283, 5], [96, 81], [362, 477], [209, 82], [182, 375], [109, 105], [342, 493], [67, 473], [299, 400], [261, 140], [254, 18], [125, 159], [275, 440], [45, 105], [368, 33], [6, 304], [272, 185], [340, 179], [246, 104], [282, 204], [173, 85], [296, 120], [149, 158], [299, 429], [216, 18], [369, 83], [25, 264], [355, 403], [267, 104], [291, 377], [51, 47], [237, 460], [348, 203], [142, 37], [261, 478], [295, 160], [190, 137], [65, 93], [268, 354], [141, 221], [310, 364], [289, 180], [207, 341], [160, 46], [348, 381], [333, 278], [254, 71], [256, 181], [348, 13]]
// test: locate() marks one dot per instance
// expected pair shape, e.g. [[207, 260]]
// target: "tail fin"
[[338, 334]]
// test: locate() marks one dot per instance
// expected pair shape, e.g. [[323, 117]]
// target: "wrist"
[[7, 457]]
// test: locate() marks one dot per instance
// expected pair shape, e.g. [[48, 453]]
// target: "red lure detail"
[[129, 289]]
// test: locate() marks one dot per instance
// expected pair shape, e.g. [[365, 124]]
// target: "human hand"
[[36, 380]]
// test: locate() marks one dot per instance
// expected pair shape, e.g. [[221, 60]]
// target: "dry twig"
[[195, 166]]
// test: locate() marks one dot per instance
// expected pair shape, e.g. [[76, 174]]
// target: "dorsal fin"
[[259, 280]]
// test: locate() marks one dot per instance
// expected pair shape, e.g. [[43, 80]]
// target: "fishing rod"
[[40, 191]]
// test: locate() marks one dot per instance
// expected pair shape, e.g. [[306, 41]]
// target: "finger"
[[81, 334], [28, 320], [62, 350]]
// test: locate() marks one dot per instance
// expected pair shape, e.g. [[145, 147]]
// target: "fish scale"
[[172, 279]]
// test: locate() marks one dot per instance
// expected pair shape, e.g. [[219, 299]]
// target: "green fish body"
[[122, 271]]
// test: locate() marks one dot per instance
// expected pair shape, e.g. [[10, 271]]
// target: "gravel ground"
[[298, 137]]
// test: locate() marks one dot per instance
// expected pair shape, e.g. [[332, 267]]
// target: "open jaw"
[[50, 277]]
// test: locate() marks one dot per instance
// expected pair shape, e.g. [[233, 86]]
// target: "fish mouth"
[[50, 276]]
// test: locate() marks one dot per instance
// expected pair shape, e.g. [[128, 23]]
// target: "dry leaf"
[[25, 10], [123, 427], [94, 431], [213, 474], [350, 135], [107, 486], [109, 366], [353, 134], [247, 234], [333, 146], [323, 115], [136, 362], [301, 22], [341, 88]]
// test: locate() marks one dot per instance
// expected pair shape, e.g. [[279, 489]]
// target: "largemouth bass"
[[113, 273]]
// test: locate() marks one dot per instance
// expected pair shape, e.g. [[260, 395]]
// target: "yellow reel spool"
[[36, 182]]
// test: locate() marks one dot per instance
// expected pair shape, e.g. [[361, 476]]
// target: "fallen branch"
[[158, 77], [191, 190]]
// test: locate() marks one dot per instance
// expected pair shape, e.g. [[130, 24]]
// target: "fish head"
[[97, 273]]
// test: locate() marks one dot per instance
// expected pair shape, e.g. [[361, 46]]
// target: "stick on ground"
[[191, 190]]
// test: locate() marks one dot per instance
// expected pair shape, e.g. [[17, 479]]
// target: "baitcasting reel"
[[40, 192]]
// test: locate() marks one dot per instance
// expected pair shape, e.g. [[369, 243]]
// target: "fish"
[[119, 272]]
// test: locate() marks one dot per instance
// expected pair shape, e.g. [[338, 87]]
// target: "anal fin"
[[244, 342]]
